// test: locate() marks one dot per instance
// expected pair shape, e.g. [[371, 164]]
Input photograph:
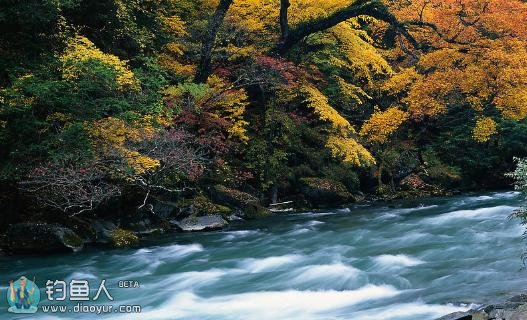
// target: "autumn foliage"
[[110, 99]]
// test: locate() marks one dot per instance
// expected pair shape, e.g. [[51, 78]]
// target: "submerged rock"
[[41, 238], [201, 223]]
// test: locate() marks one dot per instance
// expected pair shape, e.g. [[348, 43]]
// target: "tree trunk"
[[284, 21], [379, 175], [204, 68]]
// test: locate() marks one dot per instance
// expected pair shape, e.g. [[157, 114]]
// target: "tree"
[[216, 20]]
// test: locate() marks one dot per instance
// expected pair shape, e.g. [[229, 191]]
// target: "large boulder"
[[324, 192], [200, 206], [201, 223], [247, 205], [41, 238]]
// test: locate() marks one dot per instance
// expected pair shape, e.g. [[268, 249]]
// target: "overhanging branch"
[[373, 8]]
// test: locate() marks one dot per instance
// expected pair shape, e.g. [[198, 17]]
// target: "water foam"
[[192, 279], [399, 260], [501, 211], [291, 304], [299, 231], [172, 251], [269, 264], [231, 235], [327, 272], [155, 256], [419, 208]]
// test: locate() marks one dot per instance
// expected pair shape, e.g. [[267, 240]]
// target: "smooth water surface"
[[413, 260]]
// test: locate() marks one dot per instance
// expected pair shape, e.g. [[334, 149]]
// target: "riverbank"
[[122, 225]]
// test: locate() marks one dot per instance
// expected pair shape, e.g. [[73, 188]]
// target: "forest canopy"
[[159, 99]]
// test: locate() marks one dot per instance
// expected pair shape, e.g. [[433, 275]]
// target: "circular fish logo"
[[23, 296]]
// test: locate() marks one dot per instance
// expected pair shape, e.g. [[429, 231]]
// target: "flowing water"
[[411, 260]]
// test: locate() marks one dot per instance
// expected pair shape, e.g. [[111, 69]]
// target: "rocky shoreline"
[[514, 308], [123, 222]]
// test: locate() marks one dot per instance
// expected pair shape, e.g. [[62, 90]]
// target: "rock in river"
[[202, 223]]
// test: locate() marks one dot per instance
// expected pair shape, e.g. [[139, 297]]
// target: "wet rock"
[[324, 192], [457, 316], [281, 207], [520, 298], [150, 232], [514, 308], [480, 316], [201, 223], [164, 209], [103, 231], [41, 238], [359, 197], [520, 313], [247, 205]]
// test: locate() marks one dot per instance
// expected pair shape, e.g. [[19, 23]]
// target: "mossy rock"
[[124, 238], [322, 192], [256, 211], [233, 197], [200, 206], [72, 240], [247, 205]]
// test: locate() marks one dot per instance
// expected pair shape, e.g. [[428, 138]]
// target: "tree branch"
[[373, 8]]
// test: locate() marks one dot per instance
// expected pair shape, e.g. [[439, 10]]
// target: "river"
[[410, 260]]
